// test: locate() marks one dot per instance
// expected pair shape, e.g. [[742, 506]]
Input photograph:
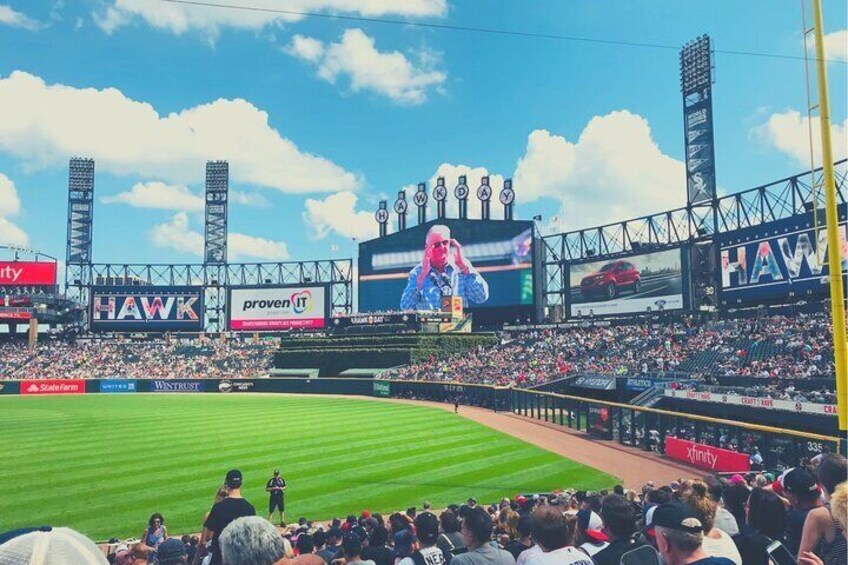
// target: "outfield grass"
[[103, 463]]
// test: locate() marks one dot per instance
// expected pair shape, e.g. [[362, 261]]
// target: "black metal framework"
[[767, 203], [217, 196], [216, 279]]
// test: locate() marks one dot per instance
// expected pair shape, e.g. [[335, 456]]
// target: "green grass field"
[[103, 463]]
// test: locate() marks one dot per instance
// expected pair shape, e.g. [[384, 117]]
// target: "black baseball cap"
[[676, 517], [799, 481], [170, 550], [233, 479]]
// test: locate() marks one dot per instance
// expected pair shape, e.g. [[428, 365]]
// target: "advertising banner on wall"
[[146, 308], [650, 282], [777, 260], [176, 385], [278, 308], [53, 386], [118, 385], [818, 408], [27, 273], [706, 456], [600, 421], [595, 381], [236, 385], [382, 388], [10, 387]]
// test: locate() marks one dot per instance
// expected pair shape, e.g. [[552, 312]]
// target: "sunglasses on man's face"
[[443, 243]]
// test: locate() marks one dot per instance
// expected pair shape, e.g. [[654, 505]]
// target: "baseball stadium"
[[528, 368]]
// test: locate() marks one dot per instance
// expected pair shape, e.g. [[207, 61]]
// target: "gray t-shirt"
[[484, 555], [726, 522]]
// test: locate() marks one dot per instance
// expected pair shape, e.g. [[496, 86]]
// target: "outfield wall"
[[666, 432]]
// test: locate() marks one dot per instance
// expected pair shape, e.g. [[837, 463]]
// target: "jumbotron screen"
[[489, 263], [641, 283]]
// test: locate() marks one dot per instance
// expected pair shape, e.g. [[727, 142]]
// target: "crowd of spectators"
[[711, 521], [771, 347], [198, 358]]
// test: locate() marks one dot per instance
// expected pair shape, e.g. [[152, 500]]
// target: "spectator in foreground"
[[524, 541], [716, 543], [801, 489], [451, 538], [305, 552], [334, 544], [766, 523], [590, 535], [553, 536], [822, 533], [154, 534], [620, 525], [477, 534], [222, 514], [427, 530], [679, 535], [251, 540], [51, 546], [352, 549], [171, 552], [377, 550]]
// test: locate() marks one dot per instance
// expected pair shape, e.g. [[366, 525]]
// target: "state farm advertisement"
[[53, 386], [706, 457], [279, 308], [27, 273]]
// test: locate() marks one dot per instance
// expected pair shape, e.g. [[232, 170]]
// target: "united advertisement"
[[278, 308], [112, 386], [650, 282], [146, 309], [27, 273], [778, 260]]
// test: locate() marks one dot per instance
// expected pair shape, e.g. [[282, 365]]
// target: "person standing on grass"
[[276, 488], [224, 512]]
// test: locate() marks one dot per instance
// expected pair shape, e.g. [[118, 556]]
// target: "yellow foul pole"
[[840, 342]]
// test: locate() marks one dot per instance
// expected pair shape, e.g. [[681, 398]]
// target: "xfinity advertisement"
[[279, 308], [651, 282]]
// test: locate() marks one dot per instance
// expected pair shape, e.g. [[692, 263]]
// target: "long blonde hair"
[[697, 498]]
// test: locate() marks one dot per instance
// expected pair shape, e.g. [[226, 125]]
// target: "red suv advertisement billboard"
[[53, 386], [706, 456], [27, 273]]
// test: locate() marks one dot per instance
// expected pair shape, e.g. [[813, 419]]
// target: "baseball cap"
[[737, 479], [53, 546], [276, 471], [233, 479], [675, 517], [592, 525], [799, 481], [170, 550], [403, 541]]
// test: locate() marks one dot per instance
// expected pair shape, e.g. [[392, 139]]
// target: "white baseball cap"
[[56, 546]]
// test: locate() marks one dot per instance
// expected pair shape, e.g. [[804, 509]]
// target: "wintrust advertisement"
[[279, 308], [53, 386], [706, 456]]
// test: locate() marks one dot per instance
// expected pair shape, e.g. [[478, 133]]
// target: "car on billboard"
[[610, 280]]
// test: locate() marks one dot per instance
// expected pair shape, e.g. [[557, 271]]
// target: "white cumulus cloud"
[[210, 20], [613, 171], [158, 195], [835, 46], [10, 206], [337, 214], [178, 235], [44, 125], [13, 18], [390, 73], [789, 133]]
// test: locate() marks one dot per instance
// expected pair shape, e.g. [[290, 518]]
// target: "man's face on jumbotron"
[[438, 246]]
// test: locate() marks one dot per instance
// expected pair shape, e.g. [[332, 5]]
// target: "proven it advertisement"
[[278, 308], [650, 282]]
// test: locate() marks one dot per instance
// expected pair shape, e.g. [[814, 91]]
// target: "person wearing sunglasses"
[[444, 271]]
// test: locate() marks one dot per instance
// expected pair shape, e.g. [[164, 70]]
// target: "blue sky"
[[321, 118]]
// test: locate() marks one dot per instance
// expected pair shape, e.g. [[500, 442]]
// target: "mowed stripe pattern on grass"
[[103, 463]]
